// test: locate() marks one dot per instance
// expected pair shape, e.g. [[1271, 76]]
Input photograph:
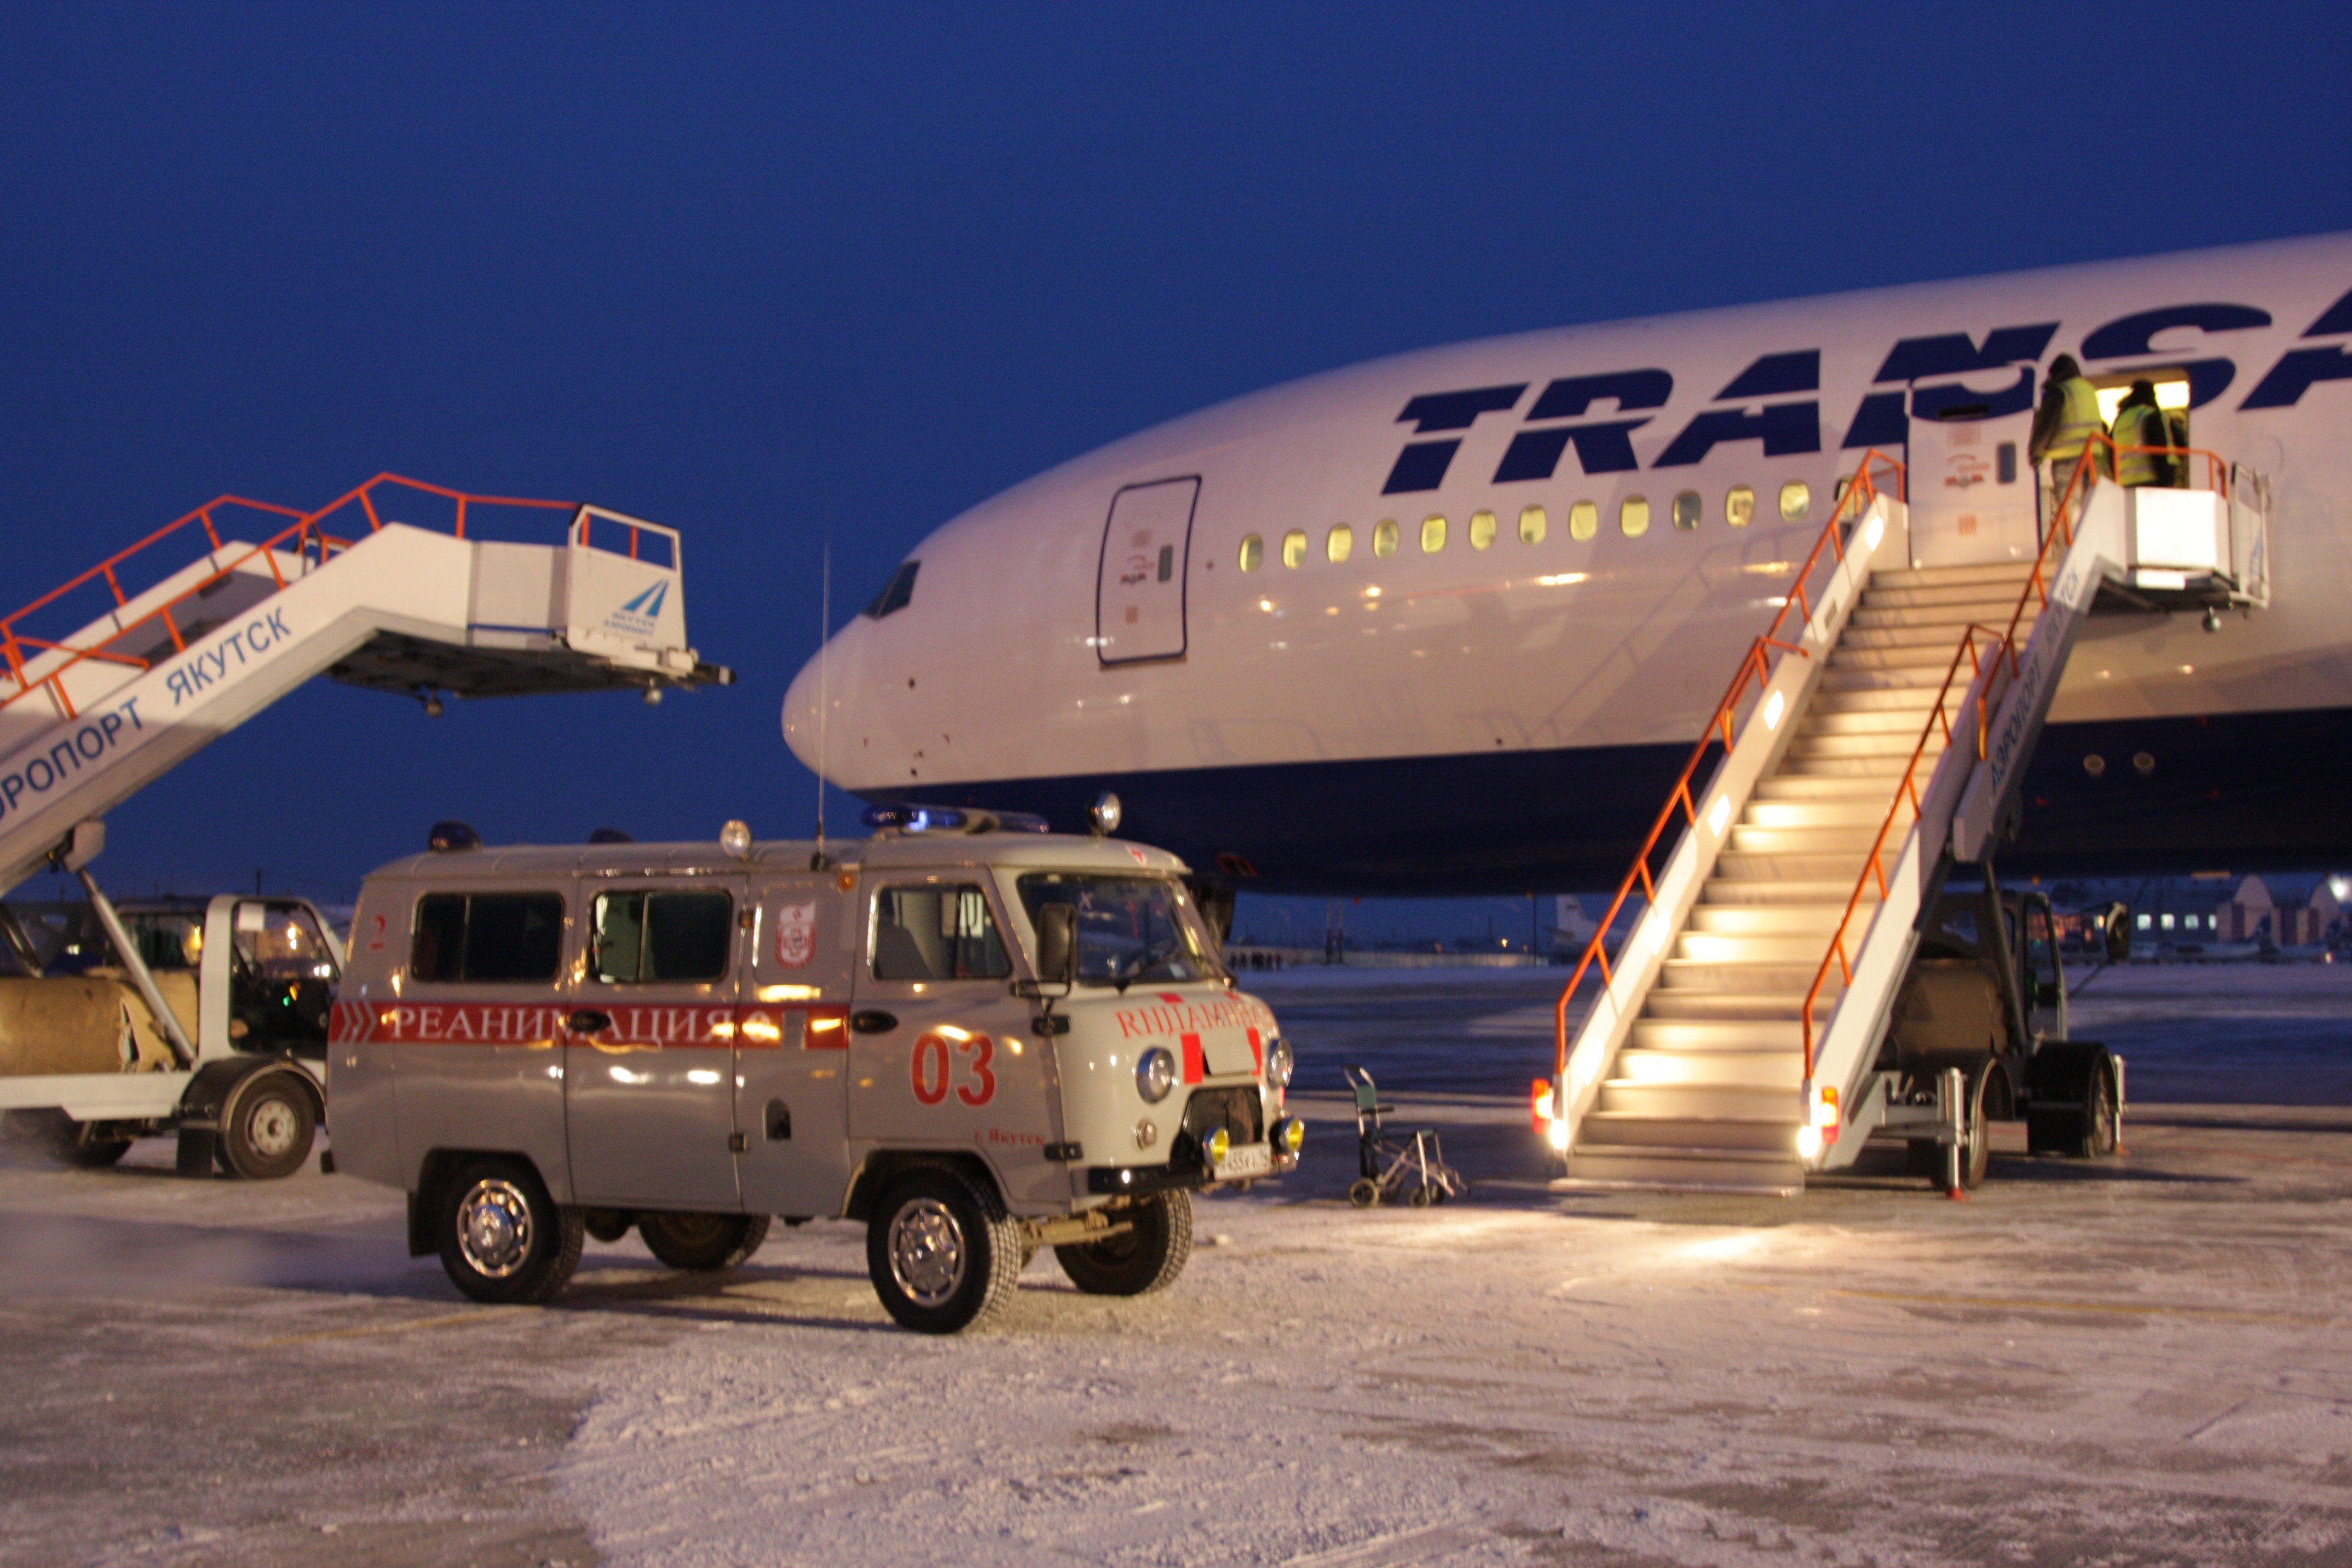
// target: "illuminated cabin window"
[[1340, 543], [1384, 538], [1740, 506], [1293, 547], [1634, 516], [1583, 521], [1432, 533], [1796, 500], [1252, 554], [1482, 529], [1688, 506], [1532, 523]]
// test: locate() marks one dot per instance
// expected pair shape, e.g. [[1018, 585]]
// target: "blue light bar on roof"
[[954, 819]]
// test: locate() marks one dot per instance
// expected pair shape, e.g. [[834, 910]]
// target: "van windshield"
[[1130, 929]]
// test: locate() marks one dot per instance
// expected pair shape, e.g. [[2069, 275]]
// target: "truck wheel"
[[503, 1239], [2090, 1126], [1146, 1257], [2102, 1118], [1976, 1136], [702, 1241], [942, 1251], [266, 1127]]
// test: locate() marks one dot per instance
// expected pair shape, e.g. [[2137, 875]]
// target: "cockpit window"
[[897, 593]]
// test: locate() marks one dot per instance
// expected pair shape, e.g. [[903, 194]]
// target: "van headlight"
[[1279, 1063], [1155, 1075]]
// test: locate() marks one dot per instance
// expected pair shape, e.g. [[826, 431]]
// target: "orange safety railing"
[[1757, 665], [305, 540], [1988, 653]]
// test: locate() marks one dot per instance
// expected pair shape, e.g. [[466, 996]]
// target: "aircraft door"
[[792, 1093], [1974, 500], [650, 1046], [1140, 583]]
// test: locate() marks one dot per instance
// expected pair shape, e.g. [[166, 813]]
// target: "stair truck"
[[974, 1039], [209, 1021]]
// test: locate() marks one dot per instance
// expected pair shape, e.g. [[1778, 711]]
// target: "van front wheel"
[[942, 1251], [1146, 1257], [503, 1239]]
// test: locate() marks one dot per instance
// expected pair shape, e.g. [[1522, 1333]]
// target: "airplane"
[[1449, 622]]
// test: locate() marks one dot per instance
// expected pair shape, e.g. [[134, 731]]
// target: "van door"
[[941, 1051], [1139, 582], [792, 1093], [649, 1052]]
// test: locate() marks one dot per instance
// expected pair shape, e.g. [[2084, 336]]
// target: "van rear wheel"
[[1146, 1257], [702, 1241], [942, 1251], [503, 1239]]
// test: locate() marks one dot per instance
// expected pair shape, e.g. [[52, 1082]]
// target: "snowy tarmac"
[[2146, 1361]]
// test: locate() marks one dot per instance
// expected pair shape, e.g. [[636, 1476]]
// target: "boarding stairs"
[[1876, 734], [390, 586]]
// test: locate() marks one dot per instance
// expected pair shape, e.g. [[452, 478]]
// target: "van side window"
[[487, 936], [643, 936], [937, 933]]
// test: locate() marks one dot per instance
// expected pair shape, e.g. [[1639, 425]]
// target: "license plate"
[[1251, 1160]]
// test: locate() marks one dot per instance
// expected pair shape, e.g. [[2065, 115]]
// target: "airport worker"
[[2175, 430], [2142, 440], [2065, 422]]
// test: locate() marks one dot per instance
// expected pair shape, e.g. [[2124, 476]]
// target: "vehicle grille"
[[1238, 1111]]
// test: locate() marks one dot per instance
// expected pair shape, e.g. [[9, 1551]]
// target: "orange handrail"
[[300, 539], [2003, 649], [1756, 663]]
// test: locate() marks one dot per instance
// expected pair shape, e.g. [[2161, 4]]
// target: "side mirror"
[[1057, 944]]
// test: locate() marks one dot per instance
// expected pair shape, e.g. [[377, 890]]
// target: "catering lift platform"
[[1746, 1033], [193, 630]]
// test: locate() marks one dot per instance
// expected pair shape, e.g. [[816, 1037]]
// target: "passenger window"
[[1740, 506], [1293, 547], [1433, 534], [1796, 500], [1583, 521], [1686, 510], [643, 936], [1532, 523], [1634, 516], [935, 933], [1482, 529], [1340, 543], [487, 936], [1384, 538], [1252, 554]]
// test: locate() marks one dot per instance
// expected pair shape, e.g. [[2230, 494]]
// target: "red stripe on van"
[[1196, 1065], [1257, 1053]]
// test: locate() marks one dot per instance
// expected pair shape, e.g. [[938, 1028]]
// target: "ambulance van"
[[976, 1037]]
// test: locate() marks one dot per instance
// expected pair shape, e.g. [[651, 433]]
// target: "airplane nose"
[[799, 716]]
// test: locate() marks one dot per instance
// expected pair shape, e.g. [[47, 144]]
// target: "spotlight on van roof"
[[452, 835], [1104, 814], [735, 840]]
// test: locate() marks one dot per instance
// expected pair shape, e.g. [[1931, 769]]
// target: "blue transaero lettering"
[[31, 783], [249, 641], [1559, 418]]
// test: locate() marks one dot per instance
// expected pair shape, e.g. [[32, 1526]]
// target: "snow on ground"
[[2147, 1362]]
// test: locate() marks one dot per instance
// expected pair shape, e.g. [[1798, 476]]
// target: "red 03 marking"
[[933, 1069]]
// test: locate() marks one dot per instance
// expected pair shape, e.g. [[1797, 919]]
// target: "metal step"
[[1758, 1134], [1863, 810], [1908, 720], [1914, 701], [1703, 1102], [1944, 634], [1735, 1006], [2012, 572], [1939, 594], [1886, 770], [1895, 744], [1741, 865], [1744, 977], [1745, 947], [1786, 892], [1937, 658], [1682, 1170], [1687, 1040], [1811, 921], [1810, 787], [1834, 838], [1881, 677]]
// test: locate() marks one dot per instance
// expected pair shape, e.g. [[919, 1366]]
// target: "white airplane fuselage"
[[1499, 707]]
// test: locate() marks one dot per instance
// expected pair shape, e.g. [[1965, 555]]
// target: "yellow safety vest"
[[2079, 422], [2137, 425]]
